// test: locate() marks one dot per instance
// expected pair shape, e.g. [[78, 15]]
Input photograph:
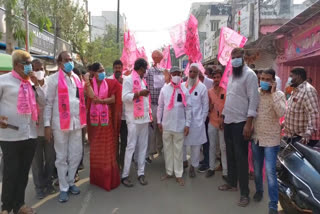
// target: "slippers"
[[126, 182], [244, 201], [165, 177], [142, 180], [180, 181]]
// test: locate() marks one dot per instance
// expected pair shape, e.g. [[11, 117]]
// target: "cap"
[[174, 69]]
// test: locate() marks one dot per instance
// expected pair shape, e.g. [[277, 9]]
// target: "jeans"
[[123, 142], [237, 157], [269, 154], [17, 159]]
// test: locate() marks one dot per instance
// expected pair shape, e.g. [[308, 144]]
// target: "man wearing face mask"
[[200, 108], [174, 119], [240, 108], [18, 130], [265, 144], [44, 157], [302, 116], [65, 116]]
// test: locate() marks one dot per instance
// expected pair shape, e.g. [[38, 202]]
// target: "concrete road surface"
[[199, 196]]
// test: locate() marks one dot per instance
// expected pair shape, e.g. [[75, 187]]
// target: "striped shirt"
[[302, 116]]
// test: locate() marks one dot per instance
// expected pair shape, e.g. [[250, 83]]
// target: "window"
[[214, 25]]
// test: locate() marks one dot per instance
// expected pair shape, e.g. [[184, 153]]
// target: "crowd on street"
[[196, 125]]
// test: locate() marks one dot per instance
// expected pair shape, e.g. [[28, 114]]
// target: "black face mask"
[[117, 75]]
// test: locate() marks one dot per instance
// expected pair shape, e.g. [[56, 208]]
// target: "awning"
[[5, 62], [306, 60]]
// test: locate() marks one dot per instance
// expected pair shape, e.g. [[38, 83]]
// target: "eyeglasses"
[[25, 63]]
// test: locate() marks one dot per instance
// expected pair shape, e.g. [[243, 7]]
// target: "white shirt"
[[42, 95], [200, 104], [127, 100], [208, 82], [179, 116], [51, 110], [279, 83], [242, 98], [9, 90]]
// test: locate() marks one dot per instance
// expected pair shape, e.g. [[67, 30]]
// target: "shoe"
[[40, 194], [244, 201], [126, 182], [258, 196], [203, 168], [50, 190], [192, 172], [185, 164], [74, 190], [63, 197], [26, 210], [142, 180], [273, 211], [148, 160], [210, 173]]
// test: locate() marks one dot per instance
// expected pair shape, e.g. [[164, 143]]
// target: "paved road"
[[198, 196]]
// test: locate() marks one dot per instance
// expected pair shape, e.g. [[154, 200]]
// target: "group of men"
[[41, 121]]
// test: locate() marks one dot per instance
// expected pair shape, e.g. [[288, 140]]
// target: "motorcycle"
[[298, 171]]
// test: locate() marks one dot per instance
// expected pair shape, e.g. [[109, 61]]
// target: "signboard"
[[208, 47], [244, 20], [305, 42], [215, 47], [42, 43], [220, 10]]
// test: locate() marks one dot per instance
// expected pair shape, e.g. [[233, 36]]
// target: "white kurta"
[[200, 107]]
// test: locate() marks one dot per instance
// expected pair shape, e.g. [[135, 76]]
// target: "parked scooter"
[[298, 172]]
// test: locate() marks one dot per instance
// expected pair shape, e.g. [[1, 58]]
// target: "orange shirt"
[[217, 98]]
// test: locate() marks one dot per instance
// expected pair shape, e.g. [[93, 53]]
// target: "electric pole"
[[118, 22]]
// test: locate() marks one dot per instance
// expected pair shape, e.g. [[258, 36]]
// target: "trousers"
[[43, 163], [173, 151], [137, 143], [194, 156], [214, 135], [237, 157], [17, 159], [155, 143], [123, 142], [68, 147]]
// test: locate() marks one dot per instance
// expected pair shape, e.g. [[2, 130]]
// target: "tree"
[[104, 49]]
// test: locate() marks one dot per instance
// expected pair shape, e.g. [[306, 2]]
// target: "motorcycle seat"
[[312, 155]]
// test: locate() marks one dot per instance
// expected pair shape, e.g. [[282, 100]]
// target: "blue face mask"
[[102, 76], [68, 66], [236, 62], [27, 69], [265, 85]]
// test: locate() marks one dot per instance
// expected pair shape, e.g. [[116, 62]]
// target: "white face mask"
[[39, 75], [176, 79]]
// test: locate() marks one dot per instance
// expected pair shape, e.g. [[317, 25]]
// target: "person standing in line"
[[200, 107], [136, 99], [174, 119]]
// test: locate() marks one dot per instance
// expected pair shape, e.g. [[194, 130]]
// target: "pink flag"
[[229, 39], [129, 52], [142, 53], [192, 44], [166, 61], [178, 38]]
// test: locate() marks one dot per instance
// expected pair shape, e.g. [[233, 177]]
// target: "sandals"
[[180, 181], [244, 201], [227, 187], [126, 182], [142, 180]]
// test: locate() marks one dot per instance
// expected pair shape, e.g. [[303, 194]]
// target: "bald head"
[[157, 56]]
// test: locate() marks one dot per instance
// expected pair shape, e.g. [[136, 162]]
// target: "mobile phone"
[[222, 96], [12, 127], [179, 98]]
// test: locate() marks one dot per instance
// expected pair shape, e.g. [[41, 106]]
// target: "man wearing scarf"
[[200, 108], [174, 119], [65, 115], [19, 96], [136, 99], [240, 108]]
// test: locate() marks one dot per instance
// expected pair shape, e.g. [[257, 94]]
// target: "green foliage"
[[104, 49]]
